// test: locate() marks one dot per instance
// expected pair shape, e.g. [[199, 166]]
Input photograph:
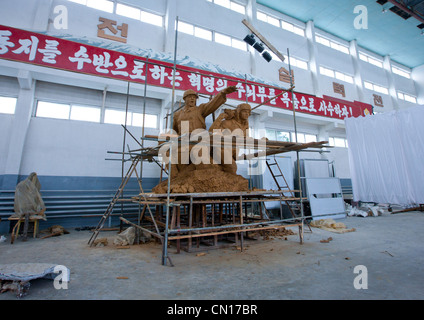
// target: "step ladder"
[[282, 185], [115, 198]]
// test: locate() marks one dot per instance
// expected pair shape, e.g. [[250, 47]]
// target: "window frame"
[[120, 5], [69, 112], [14, 107], [130, 118], [371, 60], [231, 5], [336, 74], [401, 72], [290, 135], [406, 97], [332, 44], [376, 87], [332, 142], [151, 15], [90, 4]]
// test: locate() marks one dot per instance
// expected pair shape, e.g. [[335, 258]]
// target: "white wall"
[[6, 121], [418, 77], [72, 148], [77, 148], [54, 147]]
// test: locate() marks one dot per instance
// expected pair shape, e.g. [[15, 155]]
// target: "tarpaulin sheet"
[[26, 271], [386, 153]]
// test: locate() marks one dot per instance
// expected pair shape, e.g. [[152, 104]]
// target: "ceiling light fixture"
[[259, 47], [250, 39], [267, 56]]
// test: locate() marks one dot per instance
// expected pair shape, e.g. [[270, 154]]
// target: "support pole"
[[241, 222], [165, 243], [142, 142], [297, 154], [123, 152], [190, 222]]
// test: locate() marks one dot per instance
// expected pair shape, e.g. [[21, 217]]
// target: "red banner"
[[39, 49]]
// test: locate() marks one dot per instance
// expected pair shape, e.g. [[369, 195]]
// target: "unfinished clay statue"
[[28, 199], [192, 118], [211, 176]]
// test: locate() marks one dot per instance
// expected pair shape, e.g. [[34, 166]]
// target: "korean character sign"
[[28, 47], [317, 106], [101, 62], [106, 29], [164, 76], [40, 49], [202, 81], [98, 61], [5, 43]]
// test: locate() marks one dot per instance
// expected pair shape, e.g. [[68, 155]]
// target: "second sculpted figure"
[[235, 123]]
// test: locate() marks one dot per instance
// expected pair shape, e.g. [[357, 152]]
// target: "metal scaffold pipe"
[[165, 242]]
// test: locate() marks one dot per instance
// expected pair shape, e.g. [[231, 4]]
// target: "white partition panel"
[[325, 198]]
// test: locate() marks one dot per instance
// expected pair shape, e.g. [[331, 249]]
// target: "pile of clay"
[[204, 180]]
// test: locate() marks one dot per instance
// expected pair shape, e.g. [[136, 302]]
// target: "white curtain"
[[386, 156]]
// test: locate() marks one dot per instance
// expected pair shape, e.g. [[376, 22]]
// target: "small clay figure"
[[28, 199]]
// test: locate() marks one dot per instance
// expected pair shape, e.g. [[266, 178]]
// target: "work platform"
[[210, 218], [191, 219]]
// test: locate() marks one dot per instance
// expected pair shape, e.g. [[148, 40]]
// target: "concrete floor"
[[389, 246]]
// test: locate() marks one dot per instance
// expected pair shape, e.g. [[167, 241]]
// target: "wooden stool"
[[15, 230]]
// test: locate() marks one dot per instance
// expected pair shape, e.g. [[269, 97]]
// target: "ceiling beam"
[[262, 38], [407, 10]]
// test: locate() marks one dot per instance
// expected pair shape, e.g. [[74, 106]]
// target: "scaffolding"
[[211, 219], [214, 219]]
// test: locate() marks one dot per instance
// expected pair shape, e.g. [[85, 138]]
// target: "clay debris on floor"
[[280, 233], [274, 269]]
